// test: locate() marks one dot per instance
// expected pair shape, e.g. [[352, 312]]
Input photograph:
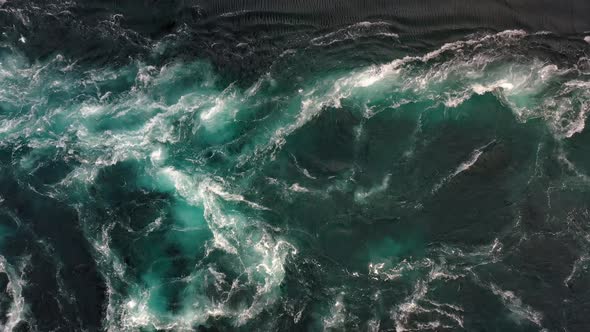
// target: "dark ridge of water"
[[114, 30], [416, 17]]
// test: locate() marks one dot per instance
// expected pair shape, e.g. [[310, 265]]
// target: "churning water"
[[165, 169]]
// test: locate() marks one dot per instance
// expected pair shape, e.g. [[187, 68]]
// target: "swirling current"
[[180, 165]]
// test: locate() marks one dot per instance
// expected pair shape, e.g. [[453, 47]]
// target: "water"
[[346, 177]]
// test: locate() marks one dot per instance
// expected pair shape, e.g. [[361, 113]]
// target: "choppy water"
[[324, 178]]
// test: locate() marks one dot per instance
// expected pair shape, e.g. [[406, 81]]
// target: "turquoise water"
[[432, 189]]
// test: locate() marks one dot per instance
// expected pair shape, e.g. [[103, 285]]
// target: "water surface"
[[187, 166]]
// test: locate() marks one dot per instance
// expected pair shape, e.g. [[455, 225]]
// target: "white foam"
[[158, 155], [361, 195], [399, 76], [183, 184], [8, 126], [145, 75], [355, 31], [464, 166], [136, 312], [243, 237], [223, 111], [338, 315], [217, 189], [235, 13], [502, 84], [262, 258], [587, 39], [453, 102], [263, 255], [88, 110], [298, 188], [418, 304], [579, 263], [18, 307], [467, 164], [259, 255], [403, 312], [517, 307], [218, 107], [578, 125], [373, 325]]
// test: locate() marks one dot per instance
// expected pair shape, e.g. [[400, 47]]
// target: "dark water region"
[[294, 166], [242, 38]]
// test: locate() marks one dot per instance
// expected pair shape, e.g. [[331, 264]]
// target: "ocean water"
[[263, 173]]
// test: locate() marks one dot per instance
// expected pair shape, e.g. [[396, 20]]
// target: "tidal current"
[[249, 173]]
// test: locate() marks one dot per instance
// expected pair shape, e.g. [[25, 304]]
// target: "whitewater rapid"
[[181, 182]]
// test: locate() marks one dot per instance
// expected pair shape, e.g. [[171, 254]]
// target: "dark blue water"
[[294, 166]]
